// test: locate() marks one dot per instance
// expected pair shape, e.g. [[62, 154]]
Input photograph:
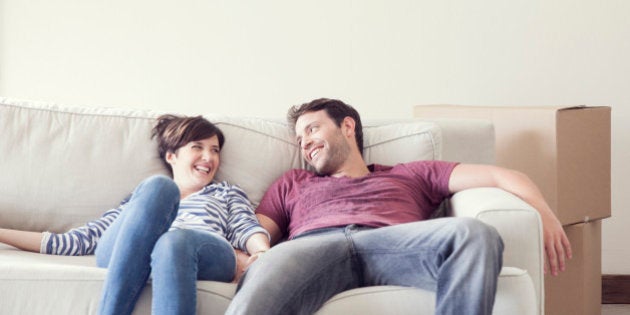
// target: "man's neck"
[[353, 168]]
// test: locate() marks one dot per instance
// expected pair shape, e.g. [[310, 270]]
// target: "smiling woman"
[[161, 228], [190, 148], [194, 164]]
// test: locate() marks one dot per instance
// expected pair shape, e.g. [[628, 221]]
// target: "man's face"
[[322, 143]]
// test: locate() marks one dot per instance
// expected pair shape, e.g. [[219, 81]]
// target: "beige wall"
[[257, 57]]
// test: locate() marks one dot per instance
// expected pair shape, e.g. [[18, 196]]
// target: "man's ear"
[[348, 126]]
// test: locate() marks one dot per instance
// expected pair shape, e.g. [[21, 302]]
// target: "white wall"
[[256, 58]]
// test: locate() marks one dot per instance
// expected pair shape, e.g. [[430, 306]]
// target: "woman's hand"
[[253, 257], [24, 240], [256, 244], [241, 264]]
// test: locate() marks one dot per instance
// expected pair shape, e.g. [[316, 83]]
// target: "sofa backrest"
[[62, 166]]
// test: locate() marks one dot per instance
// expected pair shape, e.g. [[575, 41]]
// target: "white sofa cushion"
[[515, 295], [52, 279], [63, 166]]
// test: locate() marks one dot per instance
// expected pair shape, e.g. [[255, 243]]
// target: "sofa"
[[63, 165]]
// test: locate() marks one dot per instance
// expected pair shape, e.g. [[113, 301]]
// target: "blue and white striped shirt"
[[218, 208]]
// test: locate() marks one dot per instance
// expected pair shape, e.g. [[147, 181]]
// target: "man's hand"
[[243, 261], [557, 244]]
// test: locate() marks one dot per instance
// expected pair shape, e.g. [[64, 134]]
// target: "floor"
[[615, 309]]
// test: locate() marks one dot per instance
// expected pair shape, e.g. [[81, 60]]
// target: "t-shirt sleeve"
[[273, 204], [433, 178]]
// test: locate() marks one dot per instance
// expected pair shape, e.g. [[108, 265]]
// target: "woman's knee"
[[155, 199], [161, 185], [171, 244]]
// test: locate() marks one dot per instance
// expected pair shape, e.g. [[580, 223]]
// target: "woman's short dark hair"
[[335, 109], [173, 132]]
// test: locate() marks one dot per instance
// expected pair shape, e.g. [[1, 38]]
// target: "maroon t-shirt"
[[301, 201]]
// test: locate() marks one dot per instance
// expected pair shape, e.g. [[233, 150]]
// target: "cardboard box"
[[564, 150], [578, 290]]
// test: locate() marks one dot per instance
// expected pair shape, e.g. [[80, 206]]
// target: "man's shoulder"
[[298, 171], [381, 167], [419, 165], [296, 174]]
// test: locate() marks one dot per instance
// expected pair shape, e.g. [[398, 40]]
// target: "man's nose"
[[306, 142]]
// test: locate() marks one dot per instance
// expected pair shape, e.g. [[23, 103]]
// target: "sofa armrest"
[[466, 140], [517, 222]]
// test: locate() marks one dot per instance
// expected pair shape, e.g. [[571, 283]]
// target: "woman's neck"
[[187, 191]]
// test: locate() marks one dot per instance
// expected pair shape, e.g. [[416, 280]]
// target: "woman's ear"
[[170, 157]]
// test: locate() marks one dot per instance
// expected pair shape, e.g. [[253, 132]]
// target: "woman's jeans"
[[139, 243], [458, 258]]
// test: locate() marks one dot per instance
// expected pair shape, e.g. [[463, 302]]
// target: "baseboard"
[[615, 289]]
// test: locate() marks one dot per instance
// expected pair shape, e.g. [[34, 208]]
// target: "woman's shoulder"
[[224, 186]]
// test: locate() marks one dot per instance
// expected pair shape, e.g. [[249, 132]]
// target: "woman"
[[178, 230]]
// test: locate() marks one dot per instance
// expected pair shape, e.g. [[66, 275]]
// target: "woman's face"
[[195, 164]]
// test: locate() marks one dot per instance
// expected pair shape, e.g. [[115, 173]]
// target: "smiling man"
[[352, 225]]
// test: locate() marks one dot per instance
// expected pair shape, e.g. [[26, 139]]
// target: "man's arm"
[[557, 244], [271, 227]]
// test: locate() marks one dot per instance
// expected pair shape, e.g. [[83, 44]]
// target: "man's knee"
[[479, 233]]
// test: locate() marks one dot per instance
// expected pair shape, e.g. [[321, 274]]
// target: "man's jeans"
[[137, 244], [458, 258]]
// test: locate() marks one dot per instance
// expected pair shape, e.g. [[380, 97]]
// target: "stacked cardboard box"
[[566, 152]]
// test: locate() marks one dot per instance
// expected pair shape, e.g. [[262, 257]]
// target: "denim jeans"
[[458, 258], [138, 244]]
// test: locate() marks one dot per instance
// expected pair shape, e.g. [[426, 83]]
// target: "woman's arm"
[[24, 240], [77, 241], [242, 225], [257, 244]]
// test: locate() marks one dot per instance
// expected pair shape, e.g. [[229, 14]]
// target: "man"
[[351, 225]]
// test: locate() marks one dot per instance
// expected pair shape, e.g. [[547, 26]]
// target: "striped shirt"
[[218, 208]]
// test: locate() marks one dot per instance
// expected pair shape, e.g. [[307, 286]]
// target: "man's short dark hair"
[[335, 109]]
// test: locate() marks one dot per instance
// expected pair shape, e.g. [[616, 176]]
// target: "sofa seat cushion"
[[72, 285], [515, 295]]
